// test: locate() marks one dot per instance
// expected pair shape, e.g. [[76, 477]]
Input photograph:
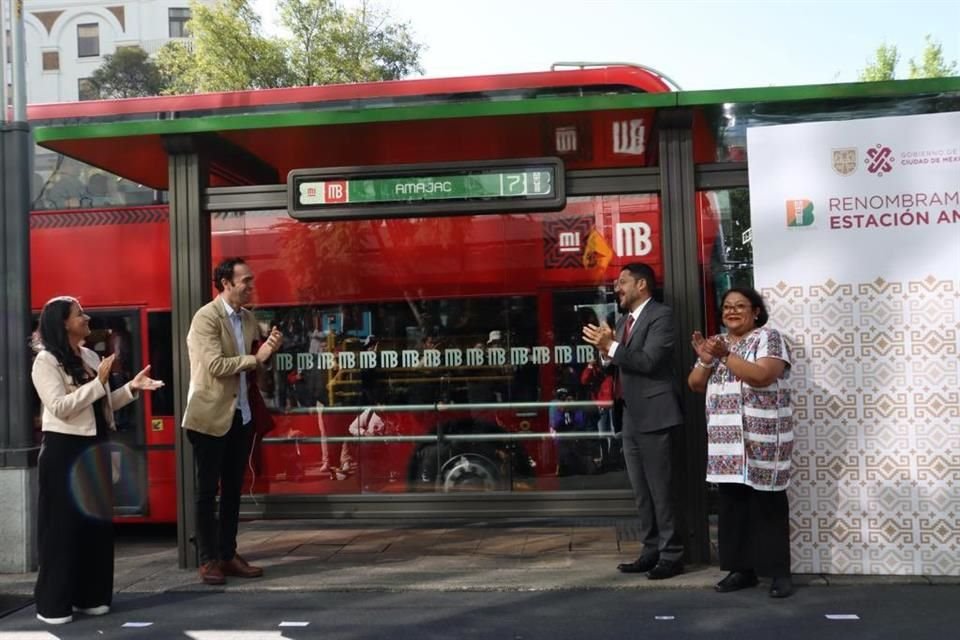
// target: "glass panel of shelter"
[[60, 182], [726, 261], [726, 124], [437, 354], [726, 246]]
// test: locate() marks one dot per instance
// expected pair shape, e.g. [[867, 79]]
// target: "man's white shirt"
[[614, 345]]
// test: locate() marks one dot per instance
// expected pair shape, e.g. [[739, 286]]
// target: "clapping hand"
[[709, 349], [716, 347], [269, 346], [103, 370], [699, 344], [600, 336], [143, 382]]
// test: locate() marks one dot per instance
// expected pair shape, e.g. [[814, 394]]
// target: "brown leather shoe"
[[240, 568], [210, 573]]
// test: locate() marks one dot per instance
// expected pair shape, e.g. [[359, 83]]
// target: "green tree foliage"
[[883, 66], [325, 43], [227, 51], [127, 73], [331, 44], [931, 64]]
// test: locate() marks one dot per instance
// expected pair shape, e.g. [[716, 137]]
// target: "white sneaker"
[[63, 620], [93, 611]]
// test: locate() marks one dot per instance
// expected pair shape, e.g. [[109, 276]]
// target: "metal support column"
[[16, 432], [683, 292], [3, 61], [190, 289], [18, 473]]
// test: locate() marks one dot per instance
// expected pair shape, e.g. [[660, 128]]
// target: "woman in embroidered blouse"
[[74, 528], [745, 374]]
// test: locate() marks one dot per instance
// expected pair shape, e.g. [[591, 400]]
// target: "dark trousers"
[[754, 530], [649, 461], [74, 524], [219, 462]]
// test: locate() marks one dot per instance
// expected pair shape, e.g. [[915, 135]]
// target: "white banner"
[[856, 243]]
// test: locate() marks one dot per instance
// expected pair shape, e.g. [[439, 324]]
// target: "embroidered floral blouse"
[[750, 429]]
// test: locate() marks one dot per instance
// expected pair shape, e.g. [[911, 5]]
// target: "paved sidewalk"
[[337, 556]]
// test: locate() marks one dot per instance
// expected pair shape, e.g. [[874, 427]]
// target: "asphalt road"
[[896, 612]]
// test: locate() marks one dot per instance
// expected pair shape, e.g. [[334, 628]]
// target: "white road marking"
[[236, 635]]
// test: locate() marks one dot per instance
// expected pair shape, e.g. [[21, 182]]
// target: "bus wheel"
[[469, 472]]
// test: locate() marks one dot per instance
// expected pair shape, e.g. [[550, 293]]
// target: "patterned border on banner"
[[876, 479]]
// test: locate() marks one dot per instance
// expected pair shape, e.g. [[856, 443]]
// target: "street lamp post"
[[18, 453], [3, 63], [18, 53]]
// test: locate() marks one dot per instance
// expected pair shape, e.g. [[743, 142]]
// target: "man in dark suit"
[[641, 348]]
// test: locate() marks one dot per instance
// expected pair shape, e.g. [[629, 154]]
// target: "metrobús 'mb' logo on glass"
[[799, 213], [879, 159]]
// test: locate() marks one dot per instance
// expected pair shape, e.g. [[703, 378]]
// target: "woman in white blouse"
[[745, 374], [75, 529]]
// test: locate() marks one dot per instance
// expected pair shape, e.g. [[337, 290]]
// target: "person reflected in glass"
[[746, 377], [564, 419], [75, 506], [599, 384]]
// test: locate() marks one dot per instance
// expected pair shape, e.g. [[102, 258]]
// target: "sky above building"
[[699, 44]]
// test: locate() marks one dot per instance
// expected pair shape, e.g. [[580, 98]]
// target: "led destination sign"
[[424, 190]]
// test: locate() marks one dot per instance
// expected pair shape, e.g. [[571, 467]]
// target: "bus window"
[[161, 361], [118, 333]]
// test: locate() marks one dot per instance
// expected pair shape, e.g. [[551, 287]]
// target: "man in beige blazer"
[[218, 417]]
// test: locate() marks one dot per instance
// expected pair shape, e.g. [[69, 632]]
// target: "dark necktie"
[[618, 385], [626, 330]]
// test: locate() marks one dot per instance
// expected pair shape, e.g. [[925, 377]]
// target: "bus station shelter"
[[480, 295]]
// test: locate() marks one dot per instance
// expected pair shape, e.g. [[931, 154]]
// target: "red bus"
[[422, 354]]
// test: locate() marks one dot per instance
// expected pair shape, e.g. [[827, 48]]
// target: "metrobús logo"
[[799, 213], [879, 160]]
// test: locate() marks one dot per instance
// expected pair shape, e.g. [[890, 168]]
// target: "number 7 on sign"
[[516, 184]]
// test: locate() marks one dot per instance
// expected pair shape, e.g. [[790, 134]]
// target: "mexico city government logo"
[[799, 213], [845, 161], [879, 160]]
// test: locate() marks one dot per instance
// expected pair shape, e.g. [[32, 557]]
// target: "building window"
[[51, 61], [86, 90], [178, 22], [88, 40]]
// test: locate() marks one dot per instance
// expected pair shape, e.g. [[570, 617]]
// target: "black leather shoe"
[[665, 569], [736, 580], [640, 565], [781, 587]]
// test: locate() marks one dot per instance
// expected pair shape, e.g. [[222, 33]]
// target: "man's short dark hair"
[[642, 271], [224, 271]]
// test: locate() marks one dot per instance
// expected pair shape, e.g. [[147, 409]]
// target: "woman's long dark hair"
[[53, 336]]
